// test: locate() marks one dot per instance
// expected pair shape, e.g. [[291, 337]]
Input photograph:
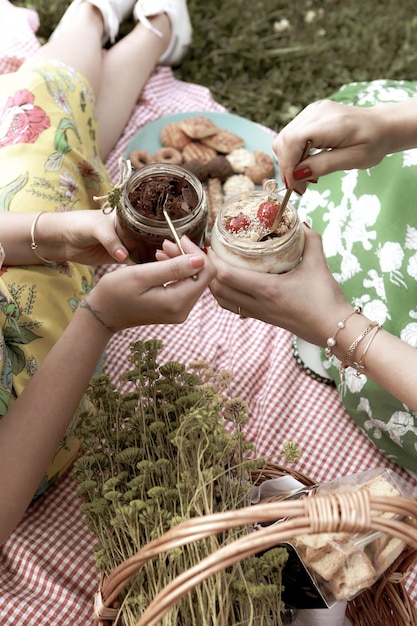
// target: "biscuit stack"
[[217, 156]]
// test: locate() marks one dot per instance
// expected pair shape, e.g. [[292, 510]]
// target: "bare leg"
[[117, 76], [126, 68], [79, 46]]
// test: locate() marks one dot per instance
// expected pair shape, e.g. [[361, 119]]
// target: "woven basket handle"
[[351, 512]]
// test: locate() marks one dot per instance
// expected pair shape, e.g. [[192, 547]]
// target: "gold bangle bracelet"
[[331, 341], [359, 365], [353, 347], [34, 245]]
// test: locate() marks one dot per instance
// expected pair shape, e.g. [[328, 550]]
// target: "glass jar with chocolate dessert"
[[140, 221], [241, 233]]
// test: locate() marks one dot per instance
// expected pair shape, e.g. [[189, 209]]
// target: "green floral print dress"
[[368, 221]]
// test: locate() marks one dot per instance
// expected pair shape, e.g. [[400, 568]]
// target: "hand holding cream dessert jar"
[[241, 233], [140, 222]]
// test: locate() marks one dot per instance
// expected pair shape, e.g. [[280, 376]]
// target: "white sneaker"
[[180, 23], [114, 12]]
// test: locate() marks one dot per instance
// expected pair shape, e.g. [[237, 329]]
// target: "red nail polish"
[[308, 225], [312, 180], [302, 173]]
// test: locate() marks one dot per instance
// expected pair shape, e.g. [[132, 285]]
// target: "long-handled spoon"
[[174, 232], [288, 193]]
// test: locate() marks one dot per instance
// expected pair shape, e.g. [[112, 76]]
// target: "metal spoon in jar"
[[288, 193], [174, 232]]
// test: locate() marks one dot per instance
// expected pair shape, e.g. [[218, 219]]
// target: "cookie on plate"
[[215, 199], [172, 136], [240, 159], [219, 167], [262, 169], [197, 150], [224, 141], [140, 158], [198, 126], [168, 155], [198, 168], [238, 183]]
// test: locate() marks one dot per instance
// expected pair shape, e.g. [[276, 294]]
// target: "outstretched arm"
[[280, 299], [32, 428], [83, 236], [345, 136]]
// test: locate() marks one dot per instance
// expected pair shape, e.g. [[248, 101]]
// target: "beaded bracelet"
[[331, 341], [34, 245], [352, 348], [359, 365]]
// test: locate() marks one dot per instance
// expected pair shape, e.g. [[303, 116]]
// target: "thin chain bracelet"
[[352, 348], [359, 365], [331, 341], [34, 245]]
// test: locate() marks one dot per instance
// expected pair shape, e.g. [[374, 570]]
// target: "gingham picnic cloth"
[[47, 573]]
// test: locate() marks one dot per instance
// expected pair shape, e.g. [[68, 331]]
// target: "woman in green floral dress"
[[367, 220]]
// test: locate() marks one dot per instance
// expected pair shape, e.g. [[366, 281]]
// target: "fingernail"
[[121, 255], [312, 180], [308, 225], [302, 173], [204, 250], [197, 261]]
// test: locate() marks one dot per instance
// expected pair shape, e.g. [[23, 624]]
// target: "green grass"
[[268, 76]]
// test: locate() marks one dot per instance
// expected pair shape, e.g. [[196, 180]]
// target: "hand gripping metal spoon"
[[288, 193]]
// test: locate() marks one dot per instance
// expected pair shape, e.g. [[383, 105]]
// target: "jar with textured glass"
[[140, 222], [242, 233]]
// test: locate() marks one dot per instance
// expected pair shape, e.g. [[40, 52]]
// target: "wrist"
[[44, 241], [96, 314], [351, 341], [397, 125], [345, 332]]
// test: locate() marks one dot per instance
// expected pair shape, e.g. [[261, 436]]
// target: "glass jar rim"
[[248, 245], [162, 169]]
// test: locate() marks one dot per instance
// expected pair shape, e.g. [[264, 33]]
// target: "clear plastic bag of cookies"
[[341, 564]]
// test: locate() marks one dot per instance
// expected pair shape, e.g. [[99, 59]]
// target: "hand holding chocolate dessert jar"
[[140, 221]]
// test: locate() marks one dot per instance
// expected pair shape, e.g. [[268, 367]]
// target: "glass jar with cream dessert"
[[140, 222], [241, 233]]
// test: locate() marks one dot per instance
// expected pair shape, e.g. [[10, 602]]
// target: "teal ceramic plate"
[[256, 137]]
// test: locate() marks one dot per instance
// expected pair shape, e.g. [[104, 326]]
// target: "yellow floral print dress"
[[48, 162]]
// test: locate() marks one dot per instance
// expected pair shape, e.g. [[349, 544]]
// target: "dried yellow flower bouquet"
[[156, 453]]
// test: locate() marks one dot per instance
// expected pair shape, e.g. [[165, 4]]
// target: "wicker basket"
[[385, 603]]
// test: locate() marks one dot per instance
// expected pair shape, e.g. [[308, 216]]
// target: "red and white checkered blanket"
[[47, 574]]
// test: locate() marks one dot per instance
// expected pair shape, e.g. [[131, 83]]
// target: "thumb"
[[313, 253], [113, 245], [174, 269]]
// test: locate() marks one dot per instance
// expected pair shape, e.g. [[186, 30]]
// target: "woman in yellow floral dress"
[[51, 156]]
